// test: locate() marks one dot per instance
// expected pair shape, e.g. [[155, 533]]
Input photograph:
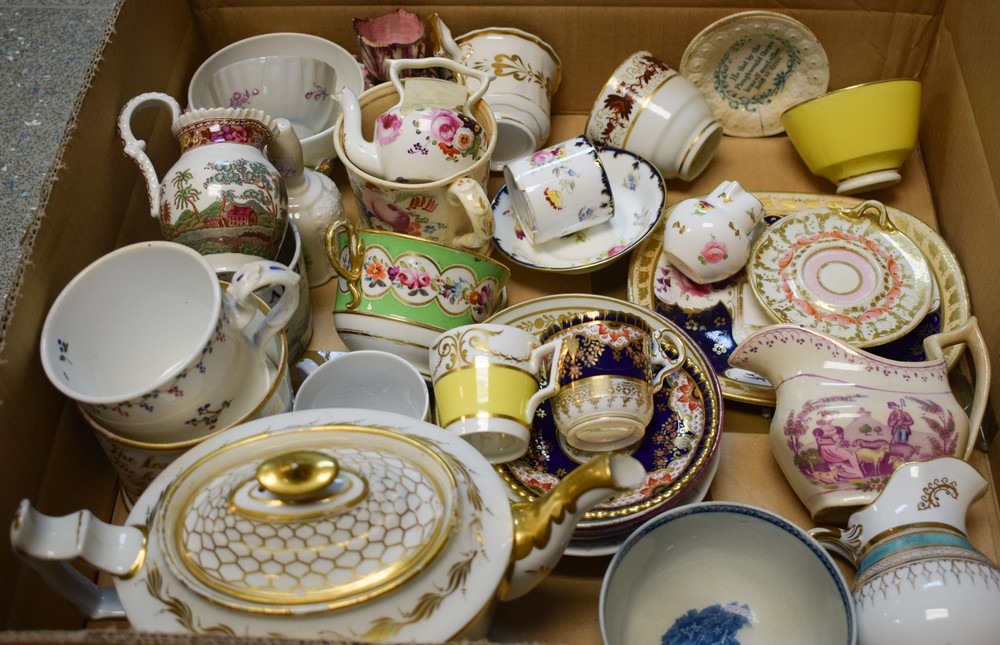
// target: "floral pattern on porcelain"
[[417, 280], [410, 212], [621, 99]]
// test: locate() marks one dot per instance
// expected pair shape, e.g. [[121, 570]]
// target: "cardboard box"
[[98, 202]]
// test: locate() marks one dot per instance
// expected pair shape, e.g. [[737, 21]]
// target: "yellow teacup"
[[857, 137], [486, 386]]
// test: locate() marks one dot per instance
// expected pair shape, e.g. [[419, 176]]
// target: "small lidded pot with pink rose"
[[428, 135], [708, 238]]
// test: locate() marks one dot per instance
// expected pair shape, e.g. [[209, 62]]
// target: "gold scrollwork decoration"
[[180, 609], [942, 486]]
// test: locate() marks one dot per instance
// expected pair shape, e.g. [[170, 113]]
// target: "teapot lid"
[[341, 516]]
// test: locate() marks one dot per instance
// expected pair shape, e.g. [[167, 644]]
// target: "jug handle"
[[469, 194], [351, 274], [251, 277], [484, 78], [970, 334], [136, 148], [440, 39], [845, 543], [48, 544]]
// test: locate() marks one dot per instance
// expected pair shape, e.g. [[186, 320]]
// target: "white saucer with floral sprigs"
[[639, 197]]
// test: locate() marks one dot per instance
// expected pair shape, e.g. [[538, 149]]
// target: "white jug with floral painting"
[[845, 419]]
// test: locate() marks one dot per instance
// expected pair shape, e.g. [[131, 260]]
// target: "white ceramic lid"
[[752, 66], [261, 528]]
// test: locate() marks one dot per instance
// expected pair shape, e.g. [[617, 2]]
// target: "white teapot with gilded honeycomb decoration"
[[338, 524]]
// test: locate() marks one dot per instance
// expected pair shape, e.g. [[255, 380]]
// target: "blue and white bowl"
[[722, 572]]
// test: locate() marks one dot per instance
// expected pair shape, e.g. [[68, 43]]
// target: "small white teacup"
[[559, 190], [486, 385], [369, 379], [146, 340]]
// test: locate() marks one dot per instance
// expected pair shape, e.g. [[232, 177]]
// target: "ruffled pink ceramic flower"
[[443, 124], [388, 128]]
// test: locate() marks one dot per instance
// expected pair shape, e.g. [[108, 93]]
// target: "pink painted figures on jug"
[[222, 195], [845, 419]]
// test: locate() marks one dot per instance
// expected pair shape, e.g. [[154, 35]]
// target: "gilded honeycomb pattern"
[[330, 553]]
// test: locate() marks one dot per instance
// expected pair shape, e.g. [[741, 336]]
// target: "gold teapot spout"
[[543, 527]]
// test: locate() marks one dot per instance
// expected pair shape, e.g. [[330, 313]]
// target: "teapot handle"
[[469, 194], [352, 273], [48, 544], [250, 278], [484, 78], [970, 334], [136, 148]]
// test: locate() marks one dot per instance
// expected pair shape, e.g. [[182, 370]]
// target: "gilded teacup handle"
[[356, 253], [667, 365], [969, 334]]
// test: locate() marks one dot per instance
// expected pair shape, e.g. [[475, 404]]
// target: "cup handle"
[[48, 544], [970, 334], [136, 148], [660, 358], [351, 274], [469, 194], [253, 276], [551, 349]]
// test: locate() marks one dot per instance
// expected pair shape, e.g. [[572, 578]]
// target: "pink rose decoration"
[[423, 279], [443, 124], [408, 278], [388, 213], [388, 128], [714, 252]]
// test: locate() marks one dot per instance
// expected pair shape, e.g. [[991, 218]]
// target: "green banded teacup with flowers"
[[396, 293]]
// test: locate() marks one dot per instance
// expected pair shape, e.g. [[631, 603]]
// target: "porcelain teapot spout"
[[428, 135], [544, 526]]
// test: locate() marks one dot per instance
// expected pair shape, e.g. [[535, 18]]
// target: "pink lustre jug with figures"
[[845, 419], [222, 195]]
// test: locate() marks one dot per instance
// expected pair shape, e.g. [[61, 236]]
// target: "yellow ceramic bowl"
[[859, 136]]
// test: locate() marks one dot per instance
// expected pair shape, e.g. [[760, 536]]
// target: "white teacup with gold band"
[[486, 385], [605, 379]]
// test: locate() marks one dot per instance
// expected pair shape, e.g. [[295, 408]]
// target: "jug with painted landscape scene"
[[222, 195], [846, 419]]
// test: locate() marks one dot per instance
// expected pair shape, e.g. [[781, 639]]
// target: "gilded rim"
[[904, 81]]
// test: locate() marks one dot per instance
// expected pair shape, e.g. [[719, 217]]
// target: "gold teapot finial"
[[302, 475]]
